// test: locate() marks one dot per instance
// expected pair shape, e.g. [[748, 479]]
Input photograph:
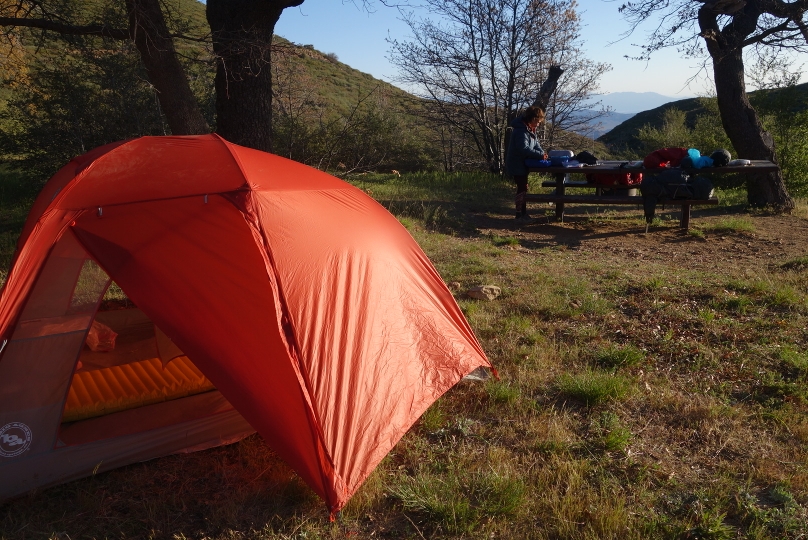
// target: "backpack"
[[586, 158], [610, 179], [670, 185], [664, 157]]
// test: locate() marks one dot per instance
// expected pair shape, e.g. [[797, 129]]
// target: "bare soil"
[[620, 233]]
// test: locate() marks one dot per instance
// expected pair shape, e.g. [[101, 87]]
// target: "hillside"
[[337, 85], [623, 136]]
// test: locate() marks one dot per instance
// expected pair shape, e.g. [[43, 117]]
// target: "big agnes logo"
[[15, 438]]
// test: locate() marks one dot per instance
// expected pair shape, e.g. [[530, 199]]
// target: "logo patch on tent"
[[15, 438]]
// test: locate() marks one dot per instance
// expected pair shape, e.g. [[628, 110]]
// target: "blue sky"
[[358, 38]]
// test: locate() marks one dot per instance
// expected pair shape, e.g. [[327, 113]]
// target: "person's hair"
[[533, 112]]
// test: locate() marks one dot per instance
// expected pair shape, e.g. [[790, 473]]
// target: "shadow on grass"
[[239, 487]]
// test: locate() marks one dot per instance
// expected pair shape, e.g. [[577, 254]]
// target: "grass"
[[637, 398], [592, 387], [614, 356], [457, 501], [730, 224]]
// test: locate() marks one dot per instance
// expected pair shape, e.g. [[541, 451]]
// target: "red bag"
[[610, 179], [664, 157], [101, 338]]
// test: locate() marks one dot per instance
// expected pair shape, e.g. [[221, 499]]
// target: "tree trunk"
[[744, 129], [542, 101], [740, 121], [548, 87], [242, 40], [149, 32]]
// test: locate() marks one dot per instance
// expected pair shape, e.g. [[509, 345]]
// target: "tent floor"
[[141, 419]]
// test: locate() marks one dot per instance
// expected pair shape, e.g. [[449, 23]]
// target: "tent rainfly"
[[270, 297]]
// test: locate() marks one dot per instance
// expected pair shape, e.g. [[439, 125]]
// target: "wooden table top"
[[757, 166]]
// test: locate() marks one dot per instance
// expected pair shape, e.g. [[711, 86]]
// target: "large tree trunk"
[[740, 121], [744, 129], [148, 30], [242, 40]]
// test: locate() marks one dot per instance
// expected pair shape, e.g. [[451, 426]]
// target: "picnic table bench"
[[620, 194]]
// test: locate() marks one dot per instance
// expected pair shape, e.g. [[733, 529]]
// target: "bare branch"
[[774, 30], [803, 29]]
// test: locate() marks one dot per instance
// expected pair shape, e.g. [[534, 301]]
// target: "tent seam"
[[295, 346]]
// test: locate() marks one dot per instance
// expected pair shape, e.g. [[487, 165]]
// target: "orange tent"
[[270, 296]]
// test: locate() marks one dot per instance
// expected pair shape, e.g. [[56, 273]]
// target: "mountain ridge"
[[623, 136], [632, 102]]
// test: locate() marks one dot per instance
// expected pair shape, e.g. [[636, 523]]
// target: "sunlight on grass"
[[502, 392], [593, 387], [475, 188], [458, 501], [797, 360], [610, 433], [729, 224], [797, 264], [433, 418], [504, 240], [613, 356], [731, 196], [801, 208], [786, 296]]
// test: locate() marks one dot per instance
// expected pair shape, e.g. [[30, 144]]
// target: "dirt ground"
[[718, 238]]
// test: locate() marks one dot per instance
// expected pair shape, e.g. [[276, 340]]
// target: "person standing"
[[524, 144]]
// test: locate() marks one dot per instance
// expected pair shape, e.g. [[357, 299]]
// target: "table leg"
[[560, 190], [684, 223]]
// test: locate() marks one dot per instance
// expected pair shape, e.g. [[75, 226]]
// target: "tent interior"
[[135, 380]]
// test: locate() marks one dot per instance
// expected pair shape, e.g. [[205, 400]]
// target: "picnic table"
[[620, 194]]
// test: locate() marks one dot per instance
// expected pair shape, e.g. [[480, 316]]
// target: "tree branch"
[[724, 7], [785, 10], [759, 38], [803, 29]]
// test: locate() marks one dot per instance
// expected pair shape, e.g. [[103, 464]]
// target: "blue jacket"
[[523, 145]]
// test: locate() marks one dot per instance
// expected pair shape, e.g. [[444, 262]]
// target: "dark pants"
[[521, 191]]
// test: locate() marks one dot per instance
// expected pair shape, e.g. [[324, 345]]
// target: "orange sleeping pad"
[[118, 388]]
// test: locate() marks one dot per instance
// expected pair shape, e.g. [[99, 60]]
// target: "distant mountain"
[[604, 124], [624, 105], [623, 136], [633, 102]]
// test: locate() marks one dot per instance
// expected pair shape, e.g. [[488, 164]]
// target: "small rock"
[[484, 292], [454, 286]]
